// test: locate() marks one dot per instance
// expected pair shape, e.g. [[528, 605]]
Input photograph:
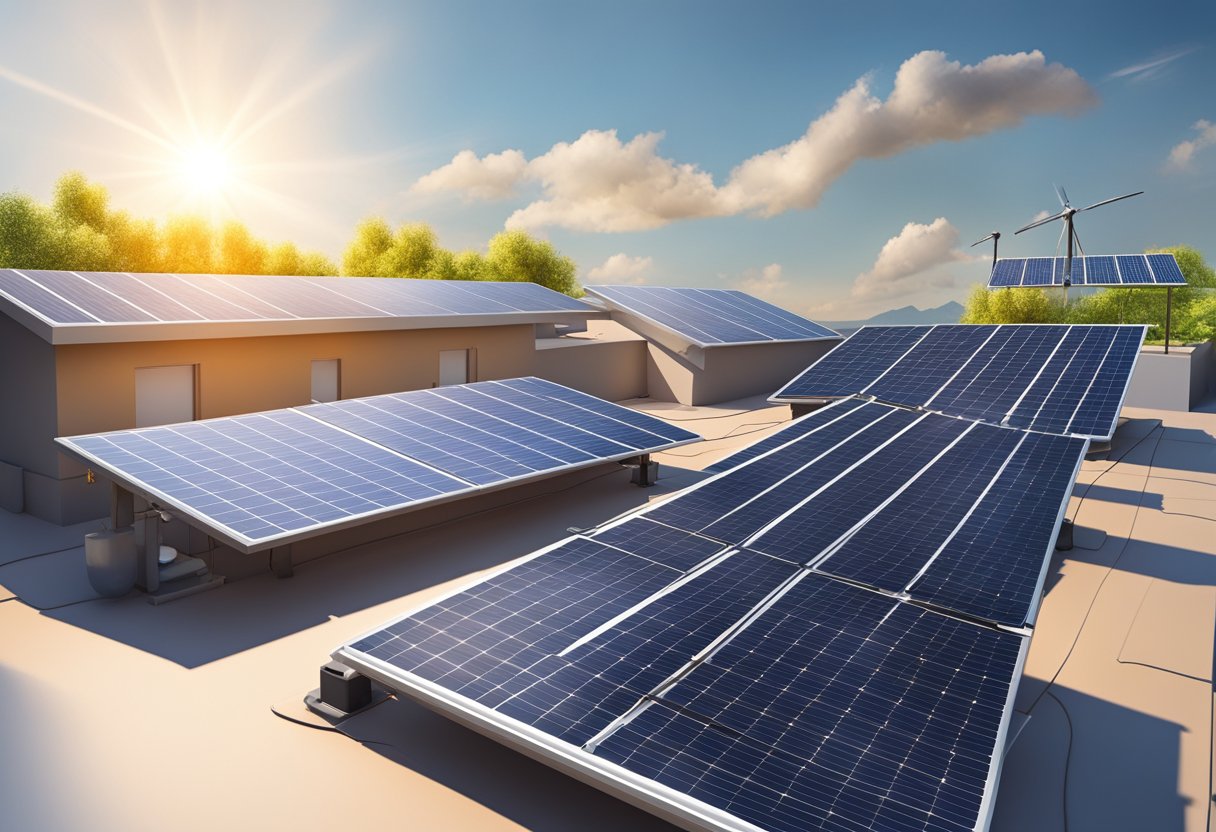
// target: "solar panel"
[[269, 478], [1101, 270], [799, 427], [1044, 377], [64, 297], [711, 317]]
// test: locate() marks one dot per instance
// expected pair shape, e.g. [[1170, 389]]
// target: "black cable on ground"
[[328, 728], [40, 555], [1067, 759], [1159, 426]]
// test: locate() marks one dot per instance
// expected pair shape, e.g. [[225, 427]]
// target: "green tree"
[[189, 245], [372, 239], [79, 202], [283, 259], [1011, 306], [134, 244], [413, 248], [29, 234], [315, 264], [469, 265], [515, 255], [239, 251]]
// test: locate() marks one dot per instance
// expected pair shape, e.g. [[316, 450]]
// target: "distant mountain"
[[947, 313]]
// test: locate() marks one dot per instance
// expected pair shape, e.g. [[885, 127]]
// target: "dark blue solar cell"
[[1078, 270], [1165, 270], [993, 567], [992, 381], [745, 499], [30, 294], [800, 326], [208, 297], [891, 549], [99, 303], [916, 377], [1038, 271], [1007, 272], [1052, 398], [799, 427], [820, 519], [671, 547], [1101, 271], [1134, 269], [1098, 412], [267, 474], [521, 296], [855, 363], [585, 408], [836, 708]]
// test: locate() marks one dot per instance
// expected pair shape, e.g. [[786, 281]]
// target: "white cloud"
[[1151, 68], [1184, 151], [493, 176], [621, 268], [768, 283], [909, 261], [599, 183], [1042, 215]]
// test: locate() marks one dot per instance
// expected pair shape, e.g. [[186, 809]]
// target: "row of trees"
[[79, 231], [1194, 305]]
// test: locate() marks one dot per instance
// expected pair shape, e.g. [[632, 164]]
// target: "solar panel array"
[[1042, 377], [826, 635], [269, 478], [711, 317], [64, 297], [1117, 270]]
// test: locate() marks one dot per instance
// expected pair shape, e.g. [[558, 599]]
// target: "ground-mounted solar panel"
[[270, 478], [711, 317], [1045, 377], [1093, 270]]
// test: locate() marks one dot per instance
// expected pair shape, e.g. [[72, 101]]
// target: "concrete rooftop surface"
[[120, 715]]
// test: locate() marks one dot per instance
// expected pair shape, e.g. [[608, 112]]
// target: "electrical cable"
[[40, 555], [1067, 759], [1108, 468], [329, 728]]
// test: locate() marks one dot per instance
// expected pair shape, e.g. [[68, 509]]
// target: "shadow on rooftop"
[[256, 610], [1122, 767], [505, 781], [1123, 496]]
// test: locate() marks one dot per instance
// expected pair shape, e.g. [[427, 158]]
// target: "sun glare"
[[205, 169]]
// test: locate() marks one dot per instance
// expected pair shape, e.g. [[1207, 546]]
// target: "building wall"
[[27, 409], [611, 370], [96, 385], [730, 372]]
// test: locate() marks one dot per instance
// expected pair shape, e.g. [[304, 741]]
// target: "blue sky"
[[329, 113]]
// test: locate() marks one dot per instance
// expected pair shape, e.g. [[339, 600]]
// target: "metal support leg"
[[149, 566], [280, 561], [1169, 303], [122, 508], [645, 472]]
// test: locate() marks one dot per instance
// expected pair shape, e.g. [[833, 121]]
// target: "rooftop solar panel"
[[1044, 377], [1099, 270], [270, 478], [711, 317], [63, 300]]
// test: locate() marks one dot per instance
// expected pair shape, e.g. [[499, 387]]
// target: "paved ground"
[[116, 715]]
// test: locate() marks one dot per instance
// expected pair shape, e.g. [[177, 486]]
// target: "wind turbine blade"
[[977, 242], [1115, 199], [1062, 195], [1037, 223]]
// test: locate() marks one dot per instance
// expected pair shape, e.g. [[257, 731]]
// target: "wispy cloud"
[[909, 262], [600, 183], [1183, 152], [1151, 68], [768, 283]]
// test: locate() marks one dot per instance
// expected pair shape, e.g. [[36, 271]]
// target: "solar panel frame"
[[1143, 270], [244, 543], [705, 340]]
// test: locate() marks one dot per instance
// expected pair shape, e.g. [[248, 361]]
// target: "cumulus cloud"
[[621, 268], [909, 261], [600, 183], [493, 176], [1184, 151], [768, 283]]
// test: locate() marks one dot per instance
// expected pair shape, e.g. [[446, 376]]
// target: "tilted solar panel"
[[1045, 377], [711, 317], [270, 478], [1094, 270]]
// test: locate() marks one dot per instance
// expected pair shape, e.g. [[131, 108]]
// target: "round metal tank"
[[110, 557]]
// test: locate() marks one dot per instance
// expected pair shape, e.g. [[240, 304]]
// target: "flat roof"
[[66, 307], [137, 710]]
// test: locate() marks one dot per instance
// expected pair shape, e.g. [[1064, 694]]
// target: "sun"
[[205, 169]]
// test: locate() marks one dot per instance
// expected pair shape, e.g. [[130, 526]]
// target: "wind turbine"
[[995, 236], [1070, 231]]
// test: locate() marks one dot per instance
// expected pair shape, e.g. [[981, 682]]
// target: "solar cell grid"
[[795, 429], [1007, 273], [99, 303], [23, 287], [856, 363], [1100, 270], [1038, 271]]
